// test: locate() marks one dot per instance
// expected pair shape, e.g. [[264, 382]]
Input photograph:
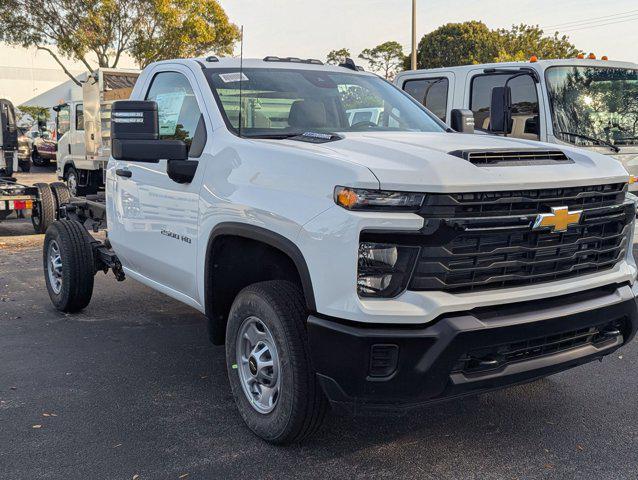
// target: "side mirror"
[[135, 134], [501, 110], [462, 120]]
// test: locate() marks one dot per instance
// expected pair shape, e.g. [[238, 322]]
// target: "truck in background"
[[8, 139], [84, 129], [589, 103]]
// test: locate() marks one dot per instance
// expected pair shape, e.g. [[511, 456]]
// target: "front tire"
[[37, 160], [69, 269], [268, 362]]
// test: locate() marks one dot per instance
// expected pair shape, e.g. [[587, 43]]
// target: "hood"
[[415, 161]]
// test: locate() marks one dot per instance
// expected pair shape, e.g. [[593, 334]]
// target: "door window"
[[177, 107], [431, 92], [79, 117], [525, 118]]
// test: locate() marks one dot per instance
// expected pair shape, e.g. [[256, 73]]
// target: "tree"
[[98, 32], [385, 58], [458, 44], [182, 29], [520, 42], [473, 42], [336, 57], [29, 115]]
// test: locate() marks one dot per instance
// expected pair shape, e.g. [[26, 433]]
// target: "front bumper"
[[388, 368]]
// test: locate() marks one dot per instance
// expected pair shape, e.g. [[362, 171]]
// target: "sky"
[[311, 28]]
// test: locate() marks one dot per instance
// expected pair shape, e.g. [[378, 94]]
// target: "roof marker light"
[[580, 56], [592, 56], [604, 57], [533, 59]]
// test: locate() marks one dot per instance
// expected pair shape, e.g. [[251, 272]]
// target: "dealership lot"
[[131, 386]]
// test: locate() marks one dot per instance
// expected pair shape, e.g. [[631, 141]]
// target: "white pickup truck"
[[585, 102], [371, 266]]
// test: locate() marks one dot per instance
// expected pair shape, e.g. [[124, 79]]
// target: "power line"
[[599, 25], [591, 19], [624, 18]]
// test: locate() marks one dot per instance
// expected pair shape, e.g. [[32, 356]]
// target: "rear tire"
[[299, 405], [45, 210], [61, 194], [69, 269]]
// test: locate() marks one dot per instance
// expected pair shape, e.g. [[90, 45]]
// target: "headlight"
[[379, 200], [384, 270]]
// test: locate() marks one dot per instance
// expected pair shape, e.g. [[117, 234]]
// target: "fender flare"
[[270, 238]]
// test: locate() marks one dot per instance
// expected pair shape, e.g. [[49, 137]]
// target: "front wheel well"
[[238, 258]]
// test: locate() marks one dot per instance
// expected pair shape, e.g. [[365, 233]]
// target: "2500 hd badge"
[[176, 236]]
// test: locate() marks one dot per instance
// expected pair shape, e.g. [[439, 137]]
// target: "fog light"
[[383, 360], [384, 269]]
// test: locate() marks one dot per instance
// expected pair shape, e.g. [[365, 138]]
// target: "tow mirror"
[[501, 110], [135, 134], [462, 120]]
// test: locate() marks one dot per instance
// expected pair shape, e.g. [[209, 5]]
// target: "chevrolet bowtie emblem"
[[558, 220]]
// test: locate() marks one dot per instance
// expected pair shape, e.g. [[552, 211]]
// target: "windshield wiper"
[[275, 136], [593, 139]]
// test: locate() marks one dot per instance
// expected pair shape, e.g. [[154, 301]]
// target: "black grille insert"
[[496, 357], [479, 241]]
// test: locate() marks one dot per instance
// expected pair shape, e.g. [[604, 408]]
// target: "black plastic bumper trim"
[[428, 355]]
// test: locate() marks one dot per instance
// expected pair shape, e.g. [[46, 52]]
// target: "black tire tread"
[[61, 193], [47, 209], [78, 255], [287, 300]]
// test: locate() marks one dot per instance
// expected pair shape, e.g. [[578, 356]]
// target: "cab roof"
[[539, 65], [271, 62]]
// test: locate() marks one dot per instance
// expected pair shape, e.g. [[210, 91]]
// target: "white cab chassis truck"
[[84, 129], [372, 265], [40, 199], [584, 102]]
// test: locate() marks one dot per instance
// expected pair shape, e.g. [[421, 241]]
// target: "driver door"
[[154, 225]]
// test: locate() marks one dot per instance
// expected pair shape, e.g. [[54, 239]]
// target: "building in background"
[[32, 77]]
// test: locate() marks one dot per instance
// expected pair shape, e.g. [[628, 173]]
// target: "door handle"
[[121, 172]]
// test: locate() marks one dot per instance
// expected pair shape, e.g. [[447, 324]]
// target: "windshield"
[[283, 102], [594, 103]]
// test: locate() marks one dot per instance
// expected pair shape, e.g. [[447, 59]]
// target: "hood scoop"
[[512, 158]]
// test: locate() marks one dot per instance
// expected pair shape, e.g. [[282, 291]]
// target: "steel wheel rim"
[[54, 267], [72, 183], [258, 365]]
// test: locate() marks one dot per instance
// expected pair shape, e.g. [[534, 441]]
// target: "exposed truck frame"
[[84, 129]]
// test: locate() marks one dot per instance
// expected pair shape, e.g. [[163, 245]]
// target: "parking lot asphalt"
[[131, 389]]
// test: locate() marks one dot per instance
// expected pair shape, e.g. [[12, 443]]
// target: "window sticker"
[[169, 106], [233, 77]]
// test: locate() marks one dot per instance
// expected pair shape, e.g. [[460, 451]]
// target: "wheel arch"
[[260, 235]]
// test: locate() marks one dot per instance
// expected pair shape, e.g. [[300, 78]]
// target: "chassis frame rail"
[[91, 213]]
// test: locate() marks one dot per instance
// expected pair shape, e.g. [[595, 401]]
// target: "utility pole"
[[413, 34]]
